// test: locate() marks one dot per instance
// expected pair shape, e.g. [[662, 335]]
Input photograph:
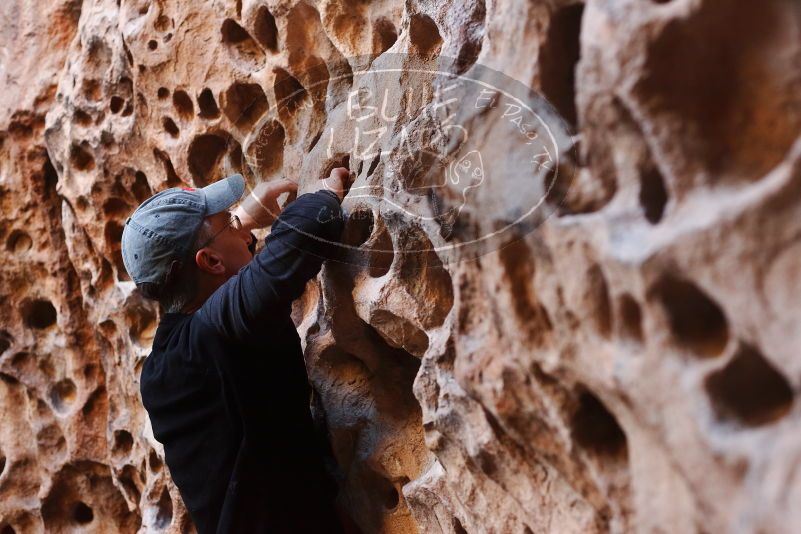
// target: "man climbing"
[[225, 385]]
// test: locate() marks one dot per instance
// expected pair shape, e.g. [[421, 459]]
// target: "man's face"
[[230, 244]]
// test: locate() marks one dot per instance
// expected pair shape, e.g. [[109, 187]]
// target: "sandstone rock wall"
[[626, 363]]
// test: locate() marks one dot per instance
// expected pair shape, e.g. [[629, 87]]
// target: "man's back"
[[227, 392]]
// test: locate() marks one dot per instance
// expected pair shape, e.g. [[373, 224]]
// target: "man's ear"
[[209, 261]]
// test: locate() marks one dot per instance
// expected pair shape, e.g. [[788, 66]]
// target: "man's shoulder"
[[182, 344], [181, 329]]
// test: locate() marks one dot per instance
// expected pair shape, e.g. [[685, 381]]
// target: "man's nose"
[[246, 235]]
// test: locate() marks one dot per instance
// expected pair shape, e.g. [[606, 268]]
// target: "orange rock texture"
[[627, 360]]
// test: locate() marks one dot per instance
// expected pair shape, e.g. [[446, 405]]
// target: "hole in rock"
[[82, 513], [89, 371], [116, 104], [314, 140], [558, 60], [5, 341], [207, 104], [384, 35], [83, 492], [457, 526], [238, 39], [424, 35], [162, 23], [96, 406], [20, 359], [8, 379], [127, 480], [126, 85], [244, 104], [113, 236], [696, 321], [105, 269], [265, 29], [631, 317], [599, 295], [594, 428], [123, 443], [204, 157], [142, 323], [266, 153], [236, 159], [433, 285], [164, 510], [233, 32], [486, 463], [183, 104], [152, 44], [91, 89], [163, 93], [418, 175], [8, 529], [519, 268], [317, 74], [82, 117], [381, 255], [18, 242], [114, 206], [389, 494], [81, 159], [167, 38], [81, 203], [141, 189], [22, 124], [749, 390], [38, 313], [653, 195], [172, 177], [2, 464], [358, 228], [373, 165], [154, 461], [50, 176], [289, 93], [62, 395], [170, 127], [46, 366], [472, 34], [50, 441], [691, 68]]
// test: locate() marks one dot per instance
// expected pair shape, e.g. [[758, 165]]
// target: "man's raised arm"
[[301, 238]]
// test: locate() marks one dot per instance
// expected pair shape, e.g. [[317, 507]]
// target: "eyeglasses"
[[234, 223]]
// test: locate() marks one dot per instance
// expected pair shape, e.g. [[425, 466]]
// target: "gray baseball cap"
[[163, 227]]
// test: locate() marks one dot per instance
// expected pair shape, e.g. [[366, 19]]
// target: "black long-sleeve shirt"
[[228, 395]]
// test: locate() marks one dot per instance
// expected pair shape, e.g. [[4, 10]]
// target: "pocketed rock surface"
[[627, 364]]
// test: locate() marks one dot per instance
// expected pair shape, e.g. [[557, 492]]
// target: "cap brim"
[[224, 193]]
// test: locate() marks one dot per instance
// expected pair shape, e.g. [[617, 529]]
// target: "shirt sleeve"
[[303, 236]]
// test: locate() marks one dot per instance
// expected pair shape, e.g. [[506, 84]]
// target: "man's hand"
[[260, 207], [339, 182]]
